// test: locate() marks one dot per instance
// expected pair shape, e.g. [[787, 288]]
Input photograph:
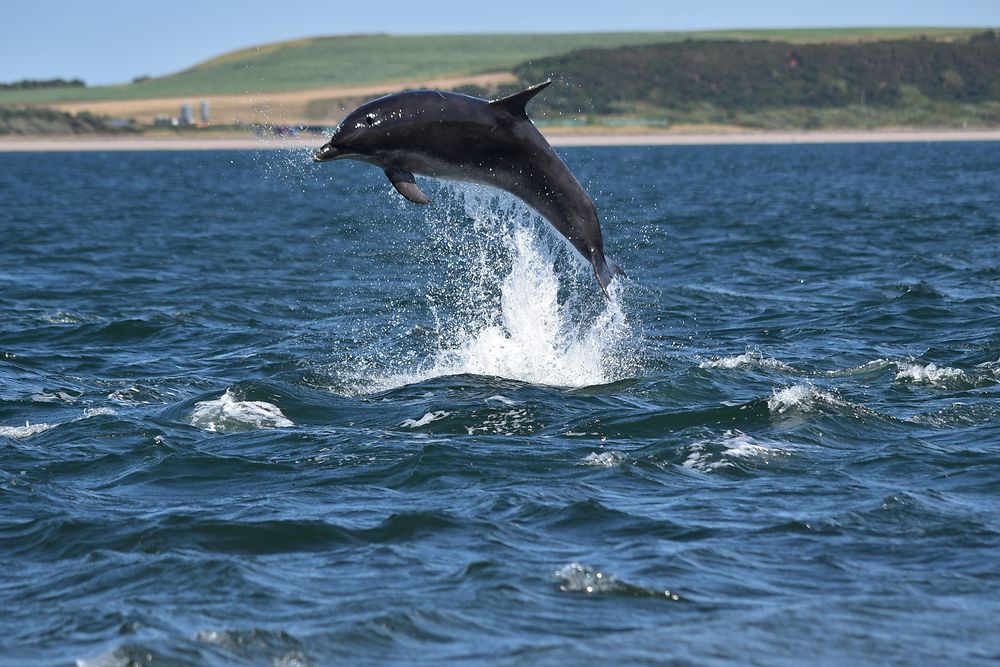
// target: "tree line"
[[31, 84], [756, 75]]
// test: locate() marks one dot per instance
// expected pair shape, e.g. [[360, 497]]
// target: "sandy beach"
[[556, 137]]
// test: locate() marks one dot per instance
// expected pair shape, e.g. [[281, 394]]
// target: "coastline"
[[556, 138]]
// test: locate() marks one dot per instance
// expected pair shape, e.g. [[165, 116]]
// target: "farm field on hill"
[[326, 62]]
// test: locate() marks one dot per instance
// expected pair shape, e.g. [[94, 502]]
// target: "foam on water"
[[518, 420], [227, 414], [545, 327], [931, 373], [872, 366], [535, 339], [425, 420], [802, 397], [29, 429], [747, 360], [26, 431], [604, 459], [709, 456]]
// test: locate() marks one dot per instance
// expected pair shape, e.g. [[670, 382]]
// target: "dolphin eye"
[[370, 119]]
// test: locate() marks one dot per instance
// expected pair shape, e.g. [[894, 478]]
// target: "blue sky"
[[112, 41]]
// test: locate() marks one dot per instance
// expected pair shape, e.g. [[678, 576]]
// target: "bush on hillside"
[[749, 76]]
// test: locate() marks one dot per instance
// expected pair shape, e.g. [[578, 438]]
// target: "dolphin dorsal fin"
[[514, 104]]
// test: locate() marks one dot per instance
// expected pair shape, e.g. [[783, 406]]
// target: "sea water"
[[259, 411]]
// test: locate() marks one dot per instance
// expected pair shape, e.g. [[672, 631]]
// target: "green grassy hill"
[[372, 59]]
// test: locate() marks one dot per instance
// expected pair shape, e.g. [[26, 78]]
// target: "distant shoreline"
[[556, 138]]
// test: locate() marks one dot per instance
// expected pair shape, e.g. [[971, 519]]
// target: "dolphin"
[[459, 137]]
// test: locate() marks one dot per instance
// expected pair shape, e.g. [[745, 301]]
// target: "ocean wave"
[[29, 429], [64, 317], [750, 359], [801, 398], [280, 649], [425, 420], [578, 578], [932, 374], [26, 431], [604, 459], [127, 655], [712, 455], [228, 414], [873, 366], [138, 395], [906, 371], [515, 421], [960, 414], [57, 396]]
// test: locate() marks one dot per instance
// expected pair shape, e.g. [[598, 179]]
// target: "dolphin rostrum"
[[458, 137]]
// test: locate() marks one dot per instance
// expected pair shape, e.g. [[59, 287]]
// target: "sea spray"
[[510, 299]]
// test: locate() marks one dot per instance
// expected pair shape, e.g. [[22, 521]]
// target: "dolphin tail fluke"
[[606, 270]]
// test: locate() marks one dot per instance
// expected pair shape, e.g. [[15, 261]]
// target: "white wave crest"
[[708, 456], [931, 373], [29, 429], [801, 397], [747, 360], [425, 420], [604, 459], [26, 431], [227, 414]]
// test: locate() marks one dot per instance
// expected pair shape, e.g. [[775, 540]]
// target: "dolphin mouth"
[[326, 153]]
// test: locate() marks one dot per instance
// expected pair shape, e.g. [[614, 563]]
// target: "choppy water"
[[259, 411]]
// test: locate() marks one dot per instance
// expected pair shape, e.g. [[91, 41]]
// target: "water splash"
[[515, 301]]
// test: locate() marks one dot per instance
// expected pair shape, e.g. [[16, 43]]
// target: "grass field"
[[326, 62]]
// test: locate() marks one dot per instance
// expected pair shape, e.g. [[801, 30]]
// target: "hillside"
[[49, 122], [343, 61], [776, 79], [779, 83]]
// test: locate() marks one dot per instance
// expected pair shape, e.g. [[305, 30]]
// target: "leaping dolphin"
[[463, 138]]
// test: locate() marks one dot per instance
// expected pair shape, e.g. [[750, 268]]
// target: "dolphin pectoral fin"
[[411, 192], [406, 185]]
